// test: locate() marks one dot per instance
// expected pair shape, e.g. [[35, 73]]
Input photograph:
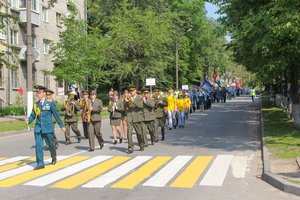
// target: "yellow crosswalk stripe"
[[90, 173], [2, 158], [15, 180], [132, 180], [191, 174], [17, 164]]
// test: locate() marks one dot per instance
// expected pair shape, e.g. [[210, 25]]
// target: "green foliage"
[[12, 110]]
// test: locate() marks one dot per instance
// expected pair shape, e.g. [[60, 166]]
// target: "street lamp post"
[[29, 58]]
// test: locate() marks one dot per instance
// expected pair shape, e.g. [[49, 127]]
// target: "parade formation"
[[142, 111]]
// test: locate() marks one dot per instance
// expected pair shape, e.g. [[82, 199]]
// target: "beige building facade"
[[46, 25]]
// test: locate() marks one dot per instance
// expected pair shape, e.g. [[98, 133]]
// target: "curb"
[[274, 179]]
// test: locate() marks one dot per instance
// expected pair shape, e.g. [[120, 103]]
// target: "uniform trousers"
[[161, 121], [39, 146], [149, 127], [74, 127], [95, 130], [85, 126], [138, 127]]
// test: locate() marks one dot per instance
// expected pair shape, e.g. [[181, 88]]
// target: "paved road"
[[217, 156]]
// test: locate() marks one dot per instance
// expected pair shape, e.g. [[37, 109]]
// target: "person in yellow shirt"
[[187, 104], [172, 109], [181, 106]]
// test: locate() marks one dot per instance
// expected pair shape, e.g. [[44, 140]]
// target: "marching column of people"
[[144, 113]]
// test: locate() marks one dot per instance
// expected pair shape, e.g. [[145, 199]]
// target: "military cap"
[[93, 92], [39, 88], [156, 88], [83, 92], [146, 89], [131, 87], [49, 91]]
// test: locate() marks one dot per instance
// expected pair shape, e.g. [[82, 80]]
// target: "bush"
[[104, 98], [12, 110]]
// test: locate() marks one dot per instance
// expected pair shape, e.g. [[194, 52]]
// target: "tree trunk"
[[294, 94]]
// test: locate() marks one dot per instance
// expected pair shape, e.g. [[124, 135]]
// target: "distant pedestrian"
[[252, 92]]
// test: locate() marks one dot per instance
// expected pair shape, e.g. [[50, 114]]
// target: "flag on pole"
[[20, 90], [217, 80], [206, 86]]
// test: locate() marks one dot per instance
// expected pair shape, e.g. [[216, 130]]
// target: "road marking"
[[33, 174], [132, 180], [17, 164], [26, 168], [11, 160], [2, 158], [90, 173], [239, 166], [58, 175], [161, 178], [191, 174], [117, 173], [217, 172]]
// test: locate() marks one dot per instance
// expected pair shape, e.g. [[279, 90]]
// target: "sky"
[[211, 12]]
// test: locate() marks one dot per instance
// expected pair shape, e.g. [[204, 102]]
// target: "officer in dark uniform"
[[134, 111], [43, 111], [160, 114], [149, 116]]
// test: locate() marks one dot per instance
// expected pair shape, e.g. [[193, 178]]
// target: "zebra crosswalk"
[[123, 172]]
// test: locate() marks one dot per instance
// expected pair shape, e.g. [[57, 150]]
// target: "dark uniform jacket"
[[134, 110], [117, 113], [160, 103], [96, 112], [149, 114]]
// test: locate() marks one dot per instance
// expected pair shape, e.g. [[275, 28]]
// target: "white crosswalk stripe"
[[162, 177], [117, 173], [26, 168], [11, 160], [217, 172], [50, 178], [239, 166]]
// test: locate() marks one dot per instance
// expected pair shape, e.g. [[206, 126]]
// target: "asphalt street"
[[217, 156]]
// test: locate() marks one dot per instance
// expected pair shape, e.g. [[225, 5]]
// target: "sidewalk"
[[283, 174]]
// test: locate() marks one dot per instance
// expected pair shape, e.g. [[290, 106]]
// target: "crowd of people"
[[141, 111]]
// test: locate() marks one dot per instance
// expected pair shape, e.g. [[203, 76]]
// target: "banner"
[[207, 86]]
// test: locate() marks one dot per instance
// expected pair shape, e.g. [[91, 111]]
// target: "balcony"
[[35, 17], [35, 53]]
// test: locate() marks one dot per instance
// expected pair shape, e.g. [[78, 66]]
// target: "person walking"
[[160, 114], [71, 108], [85, 112], [149, 116], [115, 108], [134, 112], [181, 110], [42, 113], [252, 93], [49, 97], [126, 95], [95, 123], [172, 109]]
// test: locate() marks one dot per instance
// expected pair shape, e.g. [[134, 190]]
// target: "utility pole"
[[177, 65], [29, 59]]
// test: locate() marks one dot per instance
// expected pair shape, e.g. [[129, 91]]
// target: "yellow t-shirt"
[[180, 104], [171, 102], [187, 102]]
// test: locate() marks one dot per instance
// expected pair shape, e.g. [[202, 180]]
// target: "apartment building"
[[46, 25]]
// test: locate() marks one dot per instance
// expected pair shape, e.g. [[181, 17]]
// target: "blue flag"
[[206, 86]]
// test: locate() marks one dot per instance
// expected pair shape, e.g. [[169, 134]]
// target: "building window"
[[2, 33], [22, 4], [13, 37], [34, 5], [1, 74], [14, 79], [58, 19], [46, 80], [45, 14], [13, 3], [33, 41], [46, 46]]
